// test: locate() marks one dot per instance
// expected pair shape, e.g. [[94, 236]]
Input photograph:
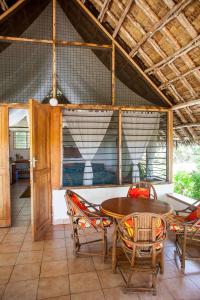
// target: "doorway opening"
[[19, 165]]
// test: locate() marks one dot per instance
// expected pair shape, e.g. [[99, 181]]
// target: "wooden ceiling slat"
[[186, 104], [172, 13], [11, 9], [182, 51]]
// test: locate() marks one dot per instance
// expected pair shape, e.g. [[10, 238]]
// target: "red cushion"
[[139, 193], [77, 201], [194, 215]]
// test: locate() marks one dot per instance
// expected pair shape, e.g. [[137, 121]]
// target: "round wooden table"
[[123, 206]]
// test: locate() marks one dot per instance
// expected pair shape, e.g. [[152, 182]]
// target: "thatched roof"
[[161, 38]]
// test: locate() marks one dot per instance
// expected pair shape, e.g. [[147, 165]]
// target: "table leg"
[[114, 249]]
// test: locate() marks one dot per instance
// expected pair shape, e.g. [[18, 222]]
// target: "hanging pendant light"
[[53, 102]]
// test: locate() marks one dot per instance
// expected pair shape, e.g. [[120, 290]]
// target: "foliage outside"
[[187, 170]]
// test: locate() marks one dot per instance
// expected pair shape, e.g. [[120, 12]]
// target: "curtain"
[[16, 115], [88, 129], [138, 128]]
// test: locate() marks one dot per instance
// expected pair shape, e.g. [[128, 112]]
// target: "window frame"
[[27, 140], [169, 142]]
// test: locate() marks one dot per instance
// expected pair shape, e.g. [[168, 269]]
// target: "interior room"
[[96, 96], [19, 166]]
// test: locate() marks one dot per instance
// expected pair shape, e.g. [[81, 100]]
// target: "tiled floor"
[[48, 269]]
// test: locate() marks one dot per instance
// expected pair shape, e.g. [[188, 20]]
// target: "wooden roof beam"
[[179, 77], [118, 46], [170, 38], [187, 125], [172, 13], [182, 19], [184, 50], [103, 10], [186, 104], [123, 16], [4, 5], [11, 9]]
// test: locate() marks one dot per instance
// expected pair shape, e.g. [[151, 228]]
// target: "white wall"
[[98, 195]]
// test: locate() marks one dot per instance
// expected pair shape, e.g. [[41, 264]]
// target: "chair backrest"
[[146, 188], [79, 208], [144, 232]]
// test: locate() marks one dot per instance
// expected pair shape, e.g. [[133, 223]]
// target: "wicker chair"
[[86, 218], [141, 237], [144, 185], [187, 233]]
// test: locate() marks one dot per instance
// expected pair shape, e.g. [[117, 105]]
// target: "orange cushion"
[[139, 193], [77, 201], [194, 215]]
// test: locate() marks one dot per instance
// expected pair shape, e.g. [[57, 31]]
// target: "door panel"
[[40, 168], [5, 212]]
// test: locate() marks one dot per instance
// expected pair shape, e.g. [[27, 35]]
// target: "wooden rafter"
[[191, 132], [123, 16], [170, 38], [172, 13], [4, 5], [186, 104], [169, 82], [11, 9], [132, 62], [182, 19], [187, 125], [103, 10], [184, 50]]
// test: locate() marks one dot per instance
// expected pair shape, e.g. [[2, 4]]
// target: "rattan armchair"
[[144, 185], [87, 221], [141, 237], [187, 233]]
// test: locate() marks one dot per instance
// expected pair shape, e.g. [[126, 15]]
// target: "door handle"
[[33, 162]]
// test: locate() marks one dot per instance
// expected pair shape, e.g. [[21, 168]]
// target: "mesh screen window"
[[89, 147], [144, 146], [21, 140]]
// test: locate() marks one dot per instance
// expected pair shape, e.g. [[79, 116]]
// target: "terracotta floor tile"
[[84, 282], [80, 265], [118, 294], [2, 289], [8, 259], [10, 247], [5, 273], [170, 270], [100, 264], [55, 235], [12, 238], [59, 298], [110, 280], [54, 268], [54, 254], [21, 290], [182, 288], [25, 272], [94, 295], [32, 246], [53, 287], [53, 244], [29, 257]]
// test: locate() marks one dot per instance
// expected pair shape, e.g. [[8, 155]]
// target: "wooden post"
[[170, 146], [54, 49], [113, 73], [56, 142], [120, 147]]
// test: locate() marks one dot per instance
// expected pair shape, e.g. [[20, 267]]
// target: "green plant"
[[187, 184]]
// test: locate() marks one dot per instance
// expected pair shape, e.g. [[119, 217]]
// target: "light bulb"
[[53, 102]]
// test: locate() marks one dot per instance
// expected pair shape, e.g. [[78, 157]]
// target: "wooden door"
[[5, 209], [40, 168]]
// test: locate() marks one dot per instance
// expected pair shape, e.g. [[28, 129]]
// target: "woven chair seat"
[[177, 224], [105, 222]]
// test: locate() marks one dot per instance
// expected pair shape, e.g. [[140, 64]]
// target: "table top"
[[122, 206]]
